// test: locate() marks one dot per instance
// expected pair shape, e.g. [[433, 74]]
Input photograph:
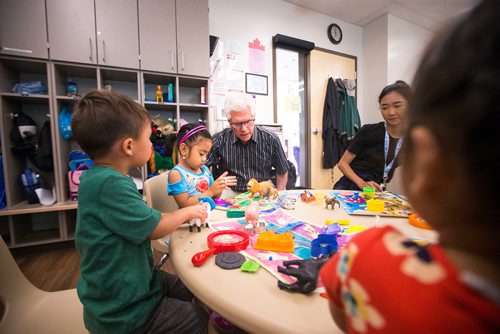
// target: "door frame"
[[309, 106]]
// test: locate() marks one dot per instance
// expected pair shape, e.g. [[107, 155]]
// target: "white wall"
[[392, 48], [406, 44], [375, 64], [243, 20]]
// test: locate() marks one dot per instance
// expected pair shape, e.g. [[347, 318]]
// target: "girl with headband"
[[190, 179]]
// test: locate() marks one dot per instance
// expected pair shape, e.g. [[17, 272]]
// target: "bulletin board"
[[230, 63]]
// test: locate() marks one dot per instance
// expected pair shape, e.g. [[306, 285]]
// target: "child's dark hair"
[[189, 134], [103, 117], [399, 87], [457, 94]]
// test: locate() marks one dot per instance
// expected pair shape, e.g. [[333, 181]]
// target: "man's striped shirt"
[[255, 159]]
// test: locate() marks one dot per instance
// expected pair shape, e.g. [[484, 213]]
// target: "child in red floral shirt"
[[382, 282]]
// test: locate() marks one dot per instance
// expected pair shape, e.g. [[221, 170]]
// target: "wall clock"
[[334, 33]]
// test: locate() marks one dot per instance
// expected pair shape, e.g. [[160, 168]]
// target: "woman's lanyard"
[[388, 166]]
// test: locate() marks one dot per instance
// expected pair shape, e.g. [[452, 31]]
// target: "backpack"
[[26, 142], [79, 161], [65, 123], [30, 182]]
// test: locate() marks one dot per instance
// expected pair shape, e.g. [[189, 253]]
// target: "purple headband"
[[192, 132]]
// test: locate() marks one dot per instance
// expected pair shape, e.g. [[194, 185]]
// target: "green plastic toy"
[[235, 214], [250, 266]]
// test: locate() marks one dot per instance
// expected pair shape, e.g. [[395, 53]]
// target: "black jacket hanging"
[[333, 148]]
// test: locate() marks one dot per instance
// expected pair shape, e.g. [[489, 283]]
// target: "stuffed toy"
[[161, 128]]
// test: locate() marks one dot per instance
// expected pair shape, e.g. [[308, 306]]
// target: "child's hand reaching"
[[198, 211], [222, 182]]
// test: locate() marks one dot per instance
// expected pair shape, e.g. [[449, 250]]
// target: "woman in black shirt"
[[372, 156]]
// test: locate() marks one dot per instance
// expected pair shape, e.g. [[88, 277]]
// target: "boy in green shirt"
[[119, 287]]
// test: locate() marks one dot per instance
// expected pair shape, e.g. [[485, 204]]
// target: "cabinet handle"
[[103, 51], [90, 48], [17, 50], [172, 59], [182, 61]]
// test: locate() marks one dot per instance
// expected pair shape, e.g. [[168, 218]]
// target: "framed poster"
[[256, 84]]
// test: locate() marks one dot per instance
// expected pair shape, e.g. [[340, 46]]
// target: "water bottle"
[[170, 92], [71, 89]]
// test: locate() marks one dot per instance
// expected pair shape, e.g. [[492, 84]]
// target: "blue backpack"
[[31, 181]]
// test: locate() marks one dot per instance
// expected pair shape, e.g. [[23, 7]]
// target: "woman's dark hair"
[[457, 94], [193, 138], [399, 87]]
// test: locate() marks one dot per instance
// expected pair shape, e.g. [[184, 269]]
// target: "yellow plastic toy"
[[339, 221], [353, 229], [375, 205], [268, 240], [159, 94]]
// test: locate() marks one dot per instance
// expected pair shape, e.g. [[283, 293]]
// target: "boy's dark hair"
[[399, 87], [457, 94], [191, 139], [103, 117]]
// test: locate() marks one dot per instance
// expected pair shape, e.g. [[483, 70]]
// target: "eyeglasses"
[[239, 125]]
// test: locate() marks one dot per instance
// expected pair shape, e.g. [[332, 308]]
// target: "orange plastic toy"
[[418, 221], [268, 240], [307, 197]]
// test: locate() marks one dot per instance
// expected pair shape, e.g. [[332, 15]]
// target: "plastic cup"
[[369, 192], [375, 205]]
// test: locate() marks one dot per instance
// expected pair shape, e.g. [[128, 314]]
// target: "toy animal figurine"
[[330, 201], [307, 197], [161, 128], [287, 202], [262, 189], [252, 213], [159, 94], [210, 205]]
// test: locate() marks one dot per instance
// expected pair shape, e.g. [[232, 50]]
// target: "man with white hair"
[[246, 150]]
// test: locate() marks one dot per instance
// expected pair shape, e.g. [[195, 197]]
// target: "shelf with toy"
[[192, 116], [30, 75], [83, 77], [167, 84], [123, 81], [192, 91]]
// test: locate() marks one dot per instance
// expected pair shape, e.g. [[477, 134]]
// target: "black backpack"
[[26, 142]]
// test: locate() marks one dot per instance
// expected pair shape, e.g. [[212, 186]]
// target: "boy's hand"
[[199, 211]]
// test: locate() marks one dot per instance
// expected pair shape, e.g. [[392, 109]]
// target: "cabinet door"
[[71, 26], [193, 49], [23, 29], [157, 35], [117, 33]]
